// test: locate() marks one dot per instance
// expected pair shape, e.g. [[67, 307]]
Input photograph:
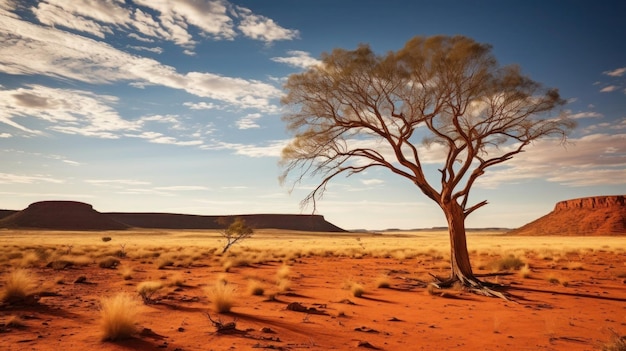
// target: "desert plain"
[[288, 290]]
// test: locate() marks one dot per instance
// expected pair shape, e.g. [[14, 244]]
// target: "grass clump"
[[356, 289], [108, 262], [255, 288], [222, 296], [616, 343], [118, 316], [383, 282], [147, 289], [18, 287], [507, 263]]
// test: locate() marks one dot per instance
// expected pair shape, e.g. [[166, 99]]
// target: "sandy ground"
[[559, 306]]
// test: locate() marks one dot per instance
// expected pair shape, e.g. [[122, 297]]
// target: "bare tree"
[[437, 96], [236, 231]]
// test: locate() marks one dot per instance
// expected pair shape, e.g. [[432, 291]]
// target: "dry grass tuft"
[[355, 288], [255, 287], [525, 271], [147, 289], [383, 282], [507, 263], [108, 262], [118, 316], [222, 297], [283, 272], [18, 287], [616, 343]]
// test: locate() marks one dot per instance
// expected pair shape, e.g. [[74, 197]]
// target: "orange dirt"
[[544, 316]]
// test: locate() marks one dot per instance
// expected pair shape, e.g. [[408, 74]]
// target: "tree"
[[438, 95], [237, 231]]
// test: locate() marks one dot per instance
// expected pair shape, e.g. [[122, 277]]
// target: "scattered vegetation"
[[237, 231], [19, 287], [222, 296], [506, 263], [108, 262], [147, 289], [118, 316], [616, 342], [255, 287]]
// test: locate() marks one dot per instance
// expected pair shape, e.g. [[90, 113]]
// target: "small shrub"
[[255, 287], [283, 272], [383, 282], [507, 263], [147, 289], [108, 262], [222, 297], [283, 285], [127, 273], [118, 317], [355, 288], [163, 262], [616, 342], [106, 238], [525, 271], [18, 287]]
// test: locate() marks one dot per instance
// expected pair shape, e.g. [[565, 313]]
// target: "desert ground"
[[286, 290]]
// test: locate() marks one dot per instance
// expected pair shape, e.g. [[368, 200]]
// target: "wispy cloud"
[[594, 159], [272, 148], [249, 121], [262, 28], [9, 178], [618, 72], [66, 111], [299, 59], [87, 60], [609, 89], [182, 188]]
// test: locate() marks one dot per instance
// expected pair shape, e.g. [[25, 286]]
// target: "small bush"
[[616, 343], [18, 287], [106, 238], [127, 273], [118, 317], [255, 287], [108, 262], [357, 290], [147, 289], [383, 282], [507, 263], [283, 285], [283, 272], [222, 297], [525, 271]]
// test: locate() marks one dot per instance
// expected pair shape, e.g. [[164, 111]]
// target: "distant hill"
[[72, 215], [61, 215], [599, 215]]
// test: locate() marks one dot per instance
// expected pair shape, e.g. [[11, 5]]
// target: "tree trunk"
[[461, 268]]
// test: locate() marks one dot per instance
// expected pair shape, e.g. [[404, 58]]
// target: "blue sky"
[[173, 106]]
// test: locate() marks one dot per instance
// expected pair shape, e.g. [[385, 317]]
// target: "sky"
[[174, 106]]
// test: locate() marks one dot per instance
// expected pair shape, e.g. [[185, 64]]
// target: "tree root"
[[473, 285]]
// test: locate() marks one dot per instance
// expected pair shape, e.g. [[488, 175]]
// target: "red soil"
[[544, 315]]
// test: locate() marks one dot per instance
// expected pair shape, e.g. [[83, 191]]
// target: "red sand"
[[544, 316]]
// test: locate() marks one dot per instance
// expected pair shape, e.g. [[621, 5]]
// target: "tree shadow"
[[564, 293]]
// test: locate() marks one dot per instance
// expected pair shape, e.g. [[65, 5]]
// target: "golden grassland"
[[156, 264]]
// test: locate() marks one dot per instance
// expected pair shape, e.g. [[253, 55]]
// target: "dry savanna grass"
[[118, 317], [19, 286], [313, 267], [222, 296]]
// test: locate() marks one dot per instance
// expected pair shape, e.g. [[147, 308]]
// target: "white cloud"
[[55, 53], [272, 149], [263, 28], [609, 89], [115, 182], [372, 181], [590, 160], [5, 135], [618, 72], [9, 178], [66, 111], [203, 106], [581, 115], [182, 188], [156, 50], [249, 121], [299, 59]]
